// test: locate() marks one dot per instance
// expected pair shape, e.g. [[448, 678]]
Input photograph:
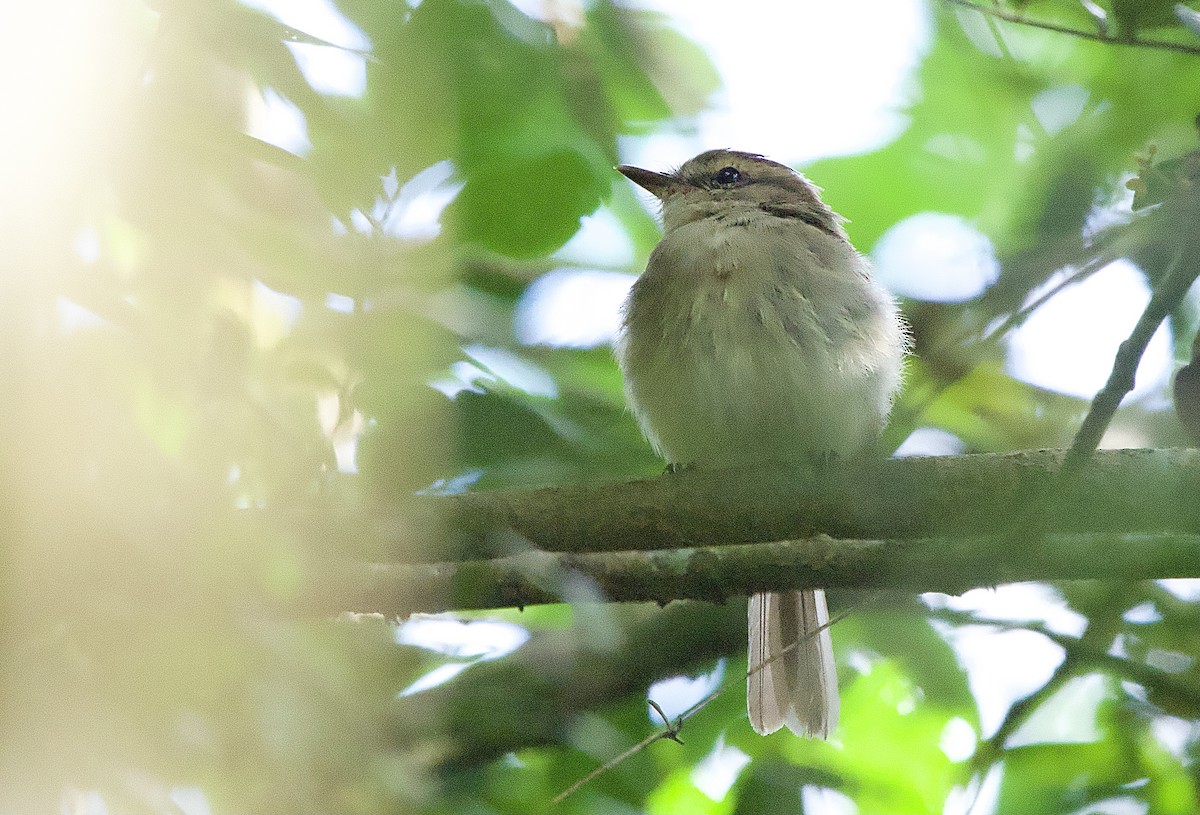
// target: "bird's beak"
[[657, 183]]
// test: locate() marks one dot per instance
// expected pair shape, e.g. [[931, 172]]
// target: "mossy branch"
[[920, 524]]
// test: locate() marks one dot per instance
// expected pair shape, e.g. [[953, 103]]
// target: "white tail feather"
[[798, 689]]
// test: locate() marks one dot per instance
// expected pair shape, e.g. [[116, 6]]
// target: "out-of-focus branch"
[[1177, 693], [1094, 36], [533, 696]]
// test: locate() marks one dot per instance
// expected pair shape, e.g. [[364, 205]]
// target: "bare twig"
[[671, 729], [753, 669], [1019, 316], [1136, 42], [1086, 652], [836, 618], [668, 732]]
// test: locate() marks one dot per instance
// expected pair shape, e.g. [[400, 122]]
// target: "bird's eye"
[[728, 176]]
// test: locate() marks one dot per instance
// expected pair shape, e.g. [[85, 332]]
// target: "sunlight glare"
[[279, 122], [1068, 716], [958, 739], [486, 639], [937, 257], [827, 801], [807, 115], [715, 774], [572, 308], [471, 641], [338, 69], [677, 694], [1068, 344]]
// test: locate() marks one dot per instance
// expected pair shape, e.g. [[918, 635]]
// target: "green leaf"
[[911, 644], [677, 795], [891, 756], [529, 205], [1062, 777]]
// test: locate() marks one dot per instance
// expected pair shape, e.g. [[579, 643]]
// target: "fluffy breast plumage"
[[758, 341]]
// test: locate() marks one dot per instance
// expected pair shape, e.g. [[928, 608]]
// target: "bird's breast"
[[744, 345]]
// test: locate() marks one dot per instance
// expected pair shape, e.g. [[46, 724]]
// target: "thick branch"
[[941, 496], [916, 524], [715, 573]]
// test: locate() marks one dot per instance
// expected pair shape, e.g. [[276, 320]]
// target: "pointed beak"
[[657, 183]]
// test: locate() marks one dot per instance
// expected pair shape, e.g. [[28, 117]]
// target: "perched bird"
[[756, 334]]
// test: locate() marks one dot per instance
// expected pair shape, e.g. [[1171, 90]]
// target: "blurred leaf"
[[955, 156], [1171, 787], [990, 410], [770, 785], [891, 758], [530, 206], [677, 795], [911, 644], [1134, 15], [610, 41], [1062, 777]]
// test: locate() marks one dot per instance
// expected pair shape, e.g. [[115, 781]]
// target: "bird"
[[757, 334]]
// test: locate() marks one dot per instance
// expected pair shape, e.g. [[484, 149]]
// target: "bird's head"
[[732, 184]]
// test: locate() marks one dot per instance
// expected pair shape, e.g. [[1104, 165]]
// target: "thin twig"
[[808, 635], [1085, 653], [671, 729], [1080, 655], [1019, 316], [1136, 42], [994, 27], [836, 618], [670, 732]]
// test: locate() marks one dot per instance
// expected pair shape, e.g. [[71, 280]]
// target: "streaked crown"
[[733, 184]]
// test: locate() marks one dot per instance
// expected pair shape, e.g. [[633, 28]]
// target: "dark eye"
[[728, 176]]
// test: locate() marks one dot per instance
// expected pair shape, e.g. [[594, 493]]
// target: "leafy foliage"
[[218, 350]]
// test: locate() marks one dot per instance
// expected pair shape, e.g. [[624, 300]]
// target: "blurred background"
[[273, 268]]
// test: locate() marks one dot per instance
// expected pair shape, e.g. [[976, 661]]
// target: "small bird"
[[755, 335]]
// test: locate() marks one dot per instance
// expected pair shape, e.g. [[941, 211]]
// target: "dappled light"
[[324, 494]]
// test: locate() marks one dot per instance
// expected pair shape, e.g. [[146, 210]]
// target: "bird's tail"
[[798, 689]]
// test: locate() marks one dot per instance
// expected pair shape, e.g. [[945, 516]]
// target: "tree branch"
[[716, 573], [938, 496], [917, 524], [1166, 298], [1094, 36]]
